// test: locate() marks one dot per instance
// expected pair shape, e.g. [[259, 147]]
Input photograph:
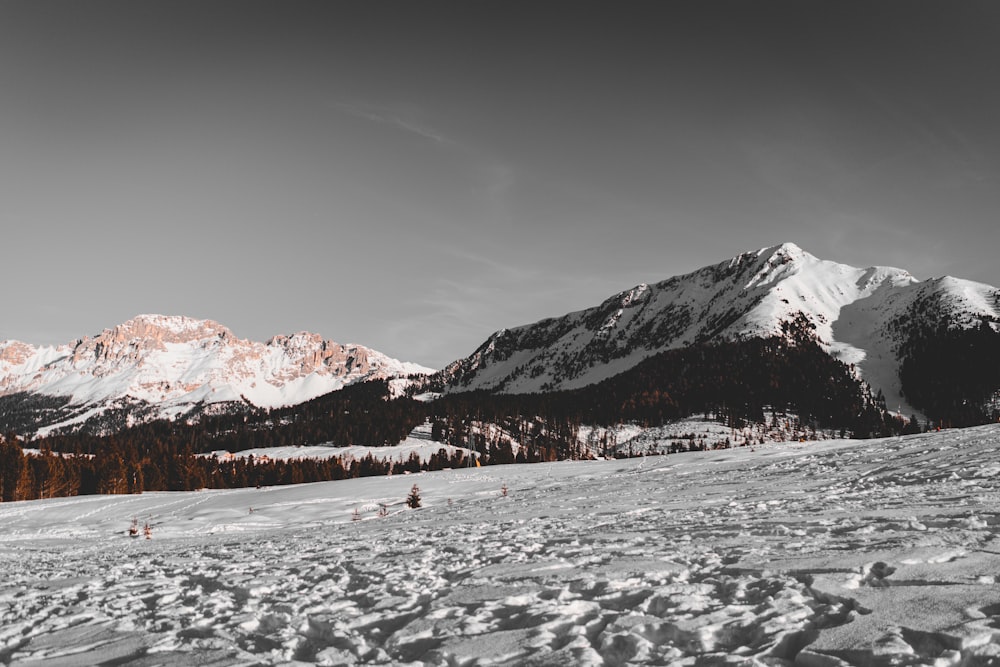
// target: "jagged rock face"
[[144, 333], [133, 341], [313, 354], [15, 353], [176, 362], [860, 316]]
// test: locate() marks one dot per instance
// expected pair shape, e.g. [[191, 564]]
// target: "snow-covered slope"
[[173, 363], [860, 315], [874, 552], [418, 443]]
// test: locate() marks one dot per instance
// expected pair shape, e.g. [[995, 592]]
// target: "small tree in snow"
[[356, 515], [413, 500]]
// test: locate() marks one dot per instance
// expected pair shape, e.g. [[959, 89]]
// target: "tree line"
[[122, 468], [953, 374]]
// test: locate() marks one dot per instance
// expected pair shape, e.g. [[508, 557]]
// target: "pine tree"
[[12, 464], [413, 500], [25, 488]]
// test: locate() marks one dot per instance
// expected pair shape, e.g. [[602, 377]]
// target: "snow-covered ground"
[[820, 553], [419, 443], [626, 439], [698, 433]]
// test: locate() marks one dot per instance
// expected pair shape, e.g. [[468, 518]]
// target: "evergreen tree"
[[413, 500], [12, 464]]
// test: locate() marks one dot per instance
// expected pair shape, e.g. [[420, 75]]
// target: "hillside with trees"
[[733, 382], [953, 374]]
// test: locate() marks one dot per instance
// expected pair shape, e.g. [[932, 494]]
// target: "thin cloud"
[[393, 118]]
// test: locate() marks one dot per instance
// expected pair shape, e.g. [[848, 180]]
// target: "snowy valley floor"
[[879, 552]]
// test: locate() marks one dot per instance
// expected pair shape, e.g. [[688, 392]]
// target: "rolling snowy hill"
[[861, 316], [875, 552], [156, 366]]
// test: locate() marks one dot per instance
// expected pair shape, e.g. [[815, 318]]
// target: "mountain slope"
[[860, 316], [162, 366]]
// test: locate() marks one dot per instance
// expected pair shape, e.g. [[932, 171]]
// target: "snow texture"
[[882, 552]]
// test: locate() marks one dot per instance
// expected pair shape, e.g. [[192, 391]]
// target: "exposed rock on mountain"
[[163, 366]]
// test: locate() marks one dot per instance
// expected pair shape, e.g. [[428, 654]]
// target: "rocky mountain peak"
[[14, 352], [169, 329], [859, 316], [299, 340], [172, 364], [144, 333]]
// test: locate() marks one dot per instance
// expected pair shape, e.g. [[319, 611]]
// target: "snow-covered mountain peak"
[[791, 281], [297, 340], [148, 332], [178, 325], [977, 300], [783, 261], [170, 364], [859, 315], [782, 254]]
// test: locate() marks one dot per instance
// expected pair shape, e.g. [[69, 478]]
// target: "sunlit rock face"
[[170, 363]]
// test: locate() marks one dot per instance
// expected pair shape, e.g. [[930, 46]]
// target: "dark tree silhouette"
[[413, 500]]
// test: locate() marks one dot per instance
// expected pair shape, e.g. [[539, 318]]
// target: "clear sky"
[[412, 176]]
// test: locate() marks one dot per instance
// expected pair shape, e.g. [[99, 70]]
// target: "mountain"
[[155, 366], [865, 317], [728, 338]]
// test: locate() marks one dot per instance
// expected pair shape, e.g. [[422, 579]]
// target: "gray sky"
[[412, 176]]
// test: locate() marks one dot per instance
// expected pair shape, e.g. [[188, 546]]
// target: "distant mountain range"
[[156, 366], [893, 331]]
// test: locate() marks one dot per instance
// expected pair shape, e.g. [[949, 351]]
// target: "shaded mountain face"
[[163, 366], [862, 316]]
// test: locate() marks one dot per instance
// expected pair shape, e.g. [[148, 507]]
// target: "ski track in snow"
[[817, 554]]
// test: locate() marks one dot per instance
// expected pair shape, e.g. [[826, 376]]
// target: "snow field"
[[820, 553], [422, 448]]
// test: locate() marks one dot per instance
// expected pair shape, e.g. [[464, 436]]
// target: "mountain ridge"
[[169, 364], [861, 316], [875, 320]]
